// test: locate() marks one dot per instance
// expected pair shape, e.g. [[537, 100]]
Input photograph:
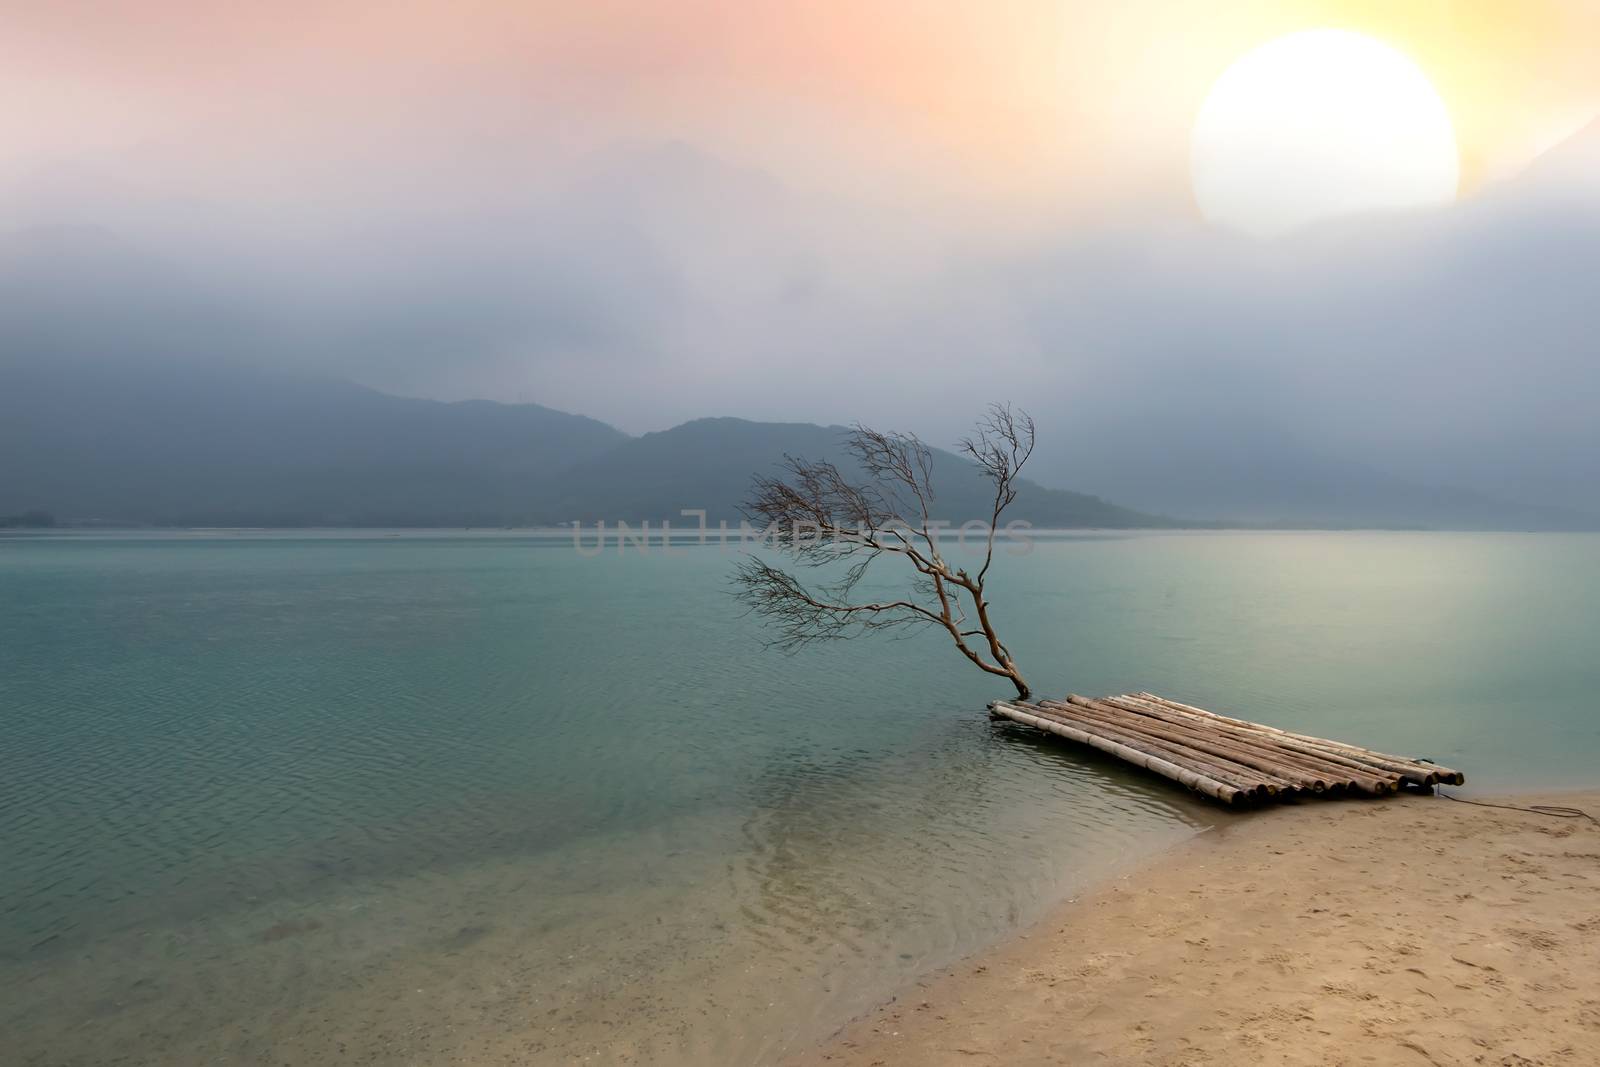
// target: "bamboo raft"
[[1229, 760]]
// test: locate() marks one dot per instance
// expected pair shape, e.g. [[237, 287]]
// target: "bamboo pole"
[[1421, 773], [1230, 760], [1170, 753], [1363, 779], [1227, 794], [1203, 746], [1345, 755], [1368, 779], [1274, 783], [1443, 774], [1234, 774], [1305, 777]]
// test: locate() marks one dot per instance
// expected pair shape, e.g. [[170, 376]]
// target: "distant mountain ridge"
[[231, 446], [708, 463], [203, 445], [126, 393], [1254, 473], [131, 392], [192, 444]]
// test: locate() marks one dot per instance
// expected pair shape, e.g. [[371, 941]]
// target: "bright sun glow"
[[1319, 124]]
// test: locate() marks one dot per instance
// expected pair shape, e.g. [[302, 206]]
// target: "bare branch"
[[814, 513], [1000, 447], [798, 617]]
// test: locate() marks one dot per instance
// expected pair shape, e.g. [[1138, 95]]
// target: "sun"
[[1319, 124]]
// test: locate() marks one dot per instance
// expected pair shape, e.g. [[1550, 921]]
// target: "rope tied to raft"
[[1555, 811]]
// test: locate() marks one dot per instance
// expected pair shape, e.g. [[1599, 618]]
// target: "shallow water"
[[293, 798]]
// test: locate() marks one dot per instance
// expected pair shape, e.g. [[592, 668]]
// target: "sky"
[[891, 211]]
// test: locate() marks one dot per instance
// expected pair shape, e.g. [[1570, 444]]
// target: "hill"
[[182, 443], [206, 445], [708, 463], [1253, 472]]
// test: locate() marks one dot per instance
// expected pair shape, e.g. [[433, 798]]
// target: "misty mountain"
[[708, 463], [1360, 388], [208, 444], [134, 390], [1428, 369], [218, 445], [188, 443], [1247, 469]]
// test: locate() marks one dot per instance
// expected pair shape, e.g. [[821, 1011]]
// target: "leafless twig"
[[816, 515]]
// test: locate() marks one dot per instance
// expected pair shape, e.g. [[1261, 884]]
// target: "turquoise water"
[[454, 798]]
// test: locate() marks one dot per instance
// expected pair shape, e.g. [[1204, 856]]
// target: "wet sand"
[[1412, 930]]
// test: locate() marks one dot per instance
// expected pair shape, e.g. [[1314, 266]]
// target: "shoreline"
[[1407, 929]]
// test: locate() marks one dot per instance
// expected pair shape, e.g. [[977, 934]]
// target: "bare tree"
[[818, 517]]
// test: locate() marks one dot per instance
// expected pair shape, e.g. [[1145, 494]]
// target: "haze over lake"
[[429, 795]]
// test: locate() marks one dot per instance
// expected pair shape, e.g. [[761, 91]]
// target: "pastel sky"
[[1047, 101], [888, 210]]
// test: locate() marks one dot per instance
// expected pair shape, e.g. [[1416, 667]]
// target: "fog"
[[592, 265]]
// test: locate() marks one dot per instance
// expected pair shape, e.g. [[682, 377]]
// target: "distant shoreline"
[[1407, 929], [679, 531]]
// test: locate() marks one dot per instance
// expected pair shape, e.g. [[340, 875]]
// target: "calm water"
[[419, 799]]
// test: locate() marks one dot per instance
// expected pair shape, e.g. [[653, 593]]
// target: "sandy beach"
[[1413, 930]]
